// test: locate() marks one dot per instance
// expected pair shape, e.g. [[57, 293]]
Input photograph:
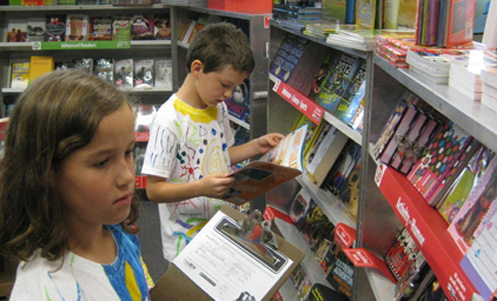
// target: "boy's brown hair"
[[219, 45]]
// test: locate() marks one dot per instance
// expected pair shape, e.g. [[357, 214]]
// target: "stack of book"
[[393, 48], [361, 39], [489, 87], [429, 64], [282, 11]]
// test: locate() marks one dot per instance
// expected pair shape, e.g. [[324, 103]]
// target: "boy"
[[188, 155]]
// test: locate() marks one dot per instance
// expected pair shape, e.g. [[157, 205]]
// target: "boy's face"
[[215, 87], [97, 181]]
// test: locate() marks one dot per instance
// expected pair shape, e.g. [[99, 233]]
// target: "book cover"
[[444, 151], [55, 28], [279, 165], [337, 82], [239, 104], [312, 132], [453, 200], [20, 75], [365, 14], [35, 29], [334, 10], [288, 56], [121, 28], [40, 65], [100, 28], [164, 74], [324, 152], [347, 109], [460, 20], [471, 216], [407, 14], [390, 14], [339, 270], [123, 73], [188, 31], [104, 68], [198, 27], [390, 127], [16, 30], [344, 165], [84, 64], [77, 27], [349, 195], [162, 27], [489, 102], [142, 27], [328, 64], [143, 74]]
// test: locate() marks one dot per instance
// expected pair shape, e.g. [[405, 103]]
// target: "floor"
[[150, 241]]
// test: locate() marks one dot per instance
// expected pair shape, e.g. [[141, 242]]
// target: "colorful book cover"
[[162, 27], [460, 21], [337, 82], [365, 14], [40, 65], [20, 75], [55, 28], [344, 164], [16, 30], [121, 28], [334, 10], [77, 27], [346, 110], [142, 27], [445, 150], [143, 73], [480, 202], [123, 73], [455, 197], [100, 29], [349, 195]]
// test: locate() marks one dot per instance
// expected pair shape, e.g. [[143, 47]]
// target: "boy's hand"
[[216, 185], [269, 141]]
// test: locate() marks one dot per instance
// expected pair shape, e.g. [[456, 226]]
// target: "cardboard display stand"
[[175, 285]]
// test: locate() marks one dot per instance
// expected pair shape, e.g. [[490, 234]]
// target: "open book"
[[280, 164]]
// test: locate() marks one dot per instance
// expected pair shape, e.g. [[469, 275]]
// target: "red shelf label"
[[301, 102], [142, 136], [428, 229], [140, 182]]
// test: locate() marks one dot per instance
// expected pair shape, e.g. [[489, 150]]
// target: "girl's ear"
[[197, 68]]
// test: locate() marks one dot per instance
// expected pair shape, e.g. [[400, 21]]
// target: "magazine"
[[281, 164]]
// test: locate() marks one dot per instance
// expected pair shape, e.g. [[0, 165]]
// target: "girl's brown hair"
[[56, 115]]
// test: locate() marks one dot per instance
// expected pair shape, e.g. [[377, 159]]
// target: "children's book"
[[121, 28], [162, 27], [281, 164], [142, 27], [143, 73], [163, 74], [123, 73], [16, 30], [432, 172], [77, 27], [55, 28], [20, 75], [40, 65], [100, 28], [365, 14], [104, 68], [459, 22], [239, 104], [455, 197], [36, 29], [472, 217], [343, 167], [349, 195]]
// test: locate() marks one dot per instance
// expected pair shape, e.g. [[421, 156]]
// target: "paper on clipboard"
[[226, 270]]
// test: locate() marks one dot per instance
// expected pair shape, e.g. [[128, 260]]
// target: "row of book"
[[127, 73], [334, 80], [81, 27]]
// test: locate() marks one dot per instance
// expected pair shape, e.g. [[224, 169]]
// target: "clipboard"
[[175, 285]]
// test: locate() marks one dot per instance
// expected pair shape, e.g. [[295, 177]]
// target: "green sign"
[[79, 45]]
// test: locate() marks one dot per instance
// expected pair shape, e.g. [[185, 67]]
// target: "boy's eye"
[[130, 152], [101, 163]]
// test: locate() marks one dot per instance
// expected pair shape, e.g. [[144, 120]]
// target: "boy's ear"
[[197, 67]]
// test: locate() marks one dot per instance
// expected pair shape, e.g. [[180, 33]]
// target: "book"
[[84, 64], [188, 31], [142, 27], [201, 21], [55, 28], [35, 29], [471, 218], [123, 73], [284, 14], [320, 292], [328, 65], [16, 30], [143, 76], [431, 65], [430, 172], [455, 197], [40, 65], [402, 253], [311, 134], [347, 109], [121, 28], [104, 68], [100, 28], [390, 14], [334, 10], [407, 14], [337, 82], [324, 152], [281, 164], [344, 165], [77, 27], [163, 74], [459, 23], [20, 75], [239, 103], [365, 14], [289, 53], [349, 195], [297, 8], [162, 27], [489, 102]]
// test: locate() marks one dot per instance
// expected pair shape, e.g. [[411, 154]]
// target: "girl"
[[67, 192]]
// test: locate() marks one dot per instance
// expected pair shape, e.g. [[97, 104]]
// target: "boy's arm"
[[213, 185], [254, 147]]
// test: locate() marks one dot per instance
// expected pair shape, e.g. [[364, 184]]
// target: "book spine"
[[423, 138]]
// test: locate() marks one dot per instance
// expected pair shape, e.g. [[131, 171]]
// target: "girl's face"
[[97, 181]]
